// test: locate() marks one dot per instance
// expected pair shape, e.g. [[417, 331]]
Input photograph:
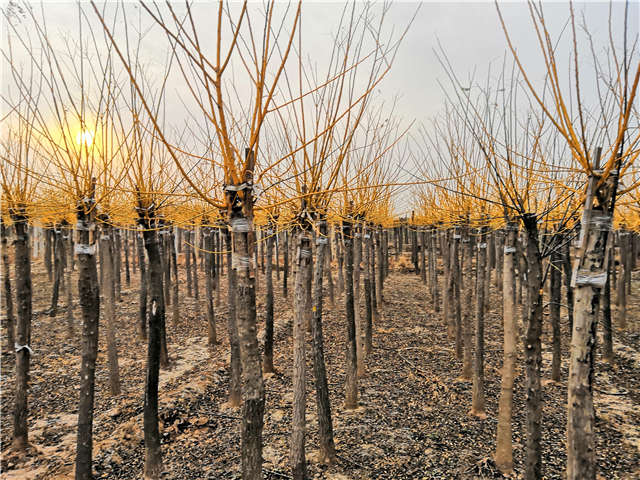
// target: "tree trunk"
[[116, 246], [109, 295], [10, 321], [325, 425], [589, 277], [351, 380], [477, 406], [357, 259], [187, 262], [235, 381], [340, 257], [455, 275], [555, 299], [243, 238], [468, 282], [423, 255], [48, 250], [57, 269], [566, 264], [621, 298], [533, 351], [606, 316], [268, 322], [381, 276], [67, 272], [22, 259], [153, 453], [504, 448], [127, 272], [368, 320], [208, 271], [285, 273], [89, 296], [142, 310], [303, 274]]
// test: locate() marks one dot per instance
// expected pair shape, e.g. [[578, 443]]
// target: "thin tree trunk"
[[285, 273], [109, 295], [116, 246], [327, 450], [89, 295], [57, 269], [357, 258], [67, 273], [340, 258], [455, 291], [235, 381], [127, 272], [468, 282], [142, 308], [208, 272], [533, 351], [381, 276], [555, 299], [48, 250], [268, 322], [606, 316], [176, 281], [504, 447], [351, 379], [23, 352], [621, 298], [303, 274], [368, 321], [187, 261], [478, 400], [153, 453]]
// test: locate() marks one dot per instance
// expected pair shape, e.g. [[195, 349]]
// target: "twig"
[[276, 473]]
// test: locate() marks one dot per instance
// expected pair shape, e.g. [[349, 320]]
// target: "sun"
[[84, 138]]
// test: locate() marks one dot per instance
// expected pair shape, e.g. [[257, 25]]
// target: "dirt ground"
[[412, 423]]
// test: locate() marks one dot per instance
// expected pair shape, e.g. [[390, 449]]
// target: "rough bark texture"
[[351, 378], [142, 307], [368, 310], [327, 450], [357, 259], [504, 447], [533, 351], [58, 256], [268, 322], [109, 295], [468, 281], [23, 352], [243, 238], [303, 274], [477, 405], [89, 295], [235, 382], [208, 271], [589, 278], [10, 321], [556, 298], [607, 347], [153, 453], [567, 266]]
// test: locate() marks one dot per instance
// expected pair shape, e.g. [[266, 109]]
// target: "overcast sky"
[[469, 33]]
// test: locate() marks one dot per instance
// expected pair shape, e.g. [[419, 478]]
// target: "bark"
[[142, 308], [67, 272], [176, 281], [89, 296], [116, 246], [243, 238], [468, 282], [357, 259], [567, 282], [478, 401], [285, 273], [455, 292], [187, 262], [268, 322], [208, 272], [555, 299], [380, 288], [327, 269], [127, 272], [351, 379], [153, 453], [194, 268], [606, 317], [368, 321], [109, 295], [235, 382], [303, 274], [374, 293], [589, 278], [340, 257], [48, 250], [621, 287], [533, 351], [325, 425], [58, 254], [10, 321], [504, 447], [423, 255], [22, 265]]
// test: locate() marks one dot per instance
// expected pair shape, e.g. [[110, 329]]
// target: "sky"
[[469, 33]]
